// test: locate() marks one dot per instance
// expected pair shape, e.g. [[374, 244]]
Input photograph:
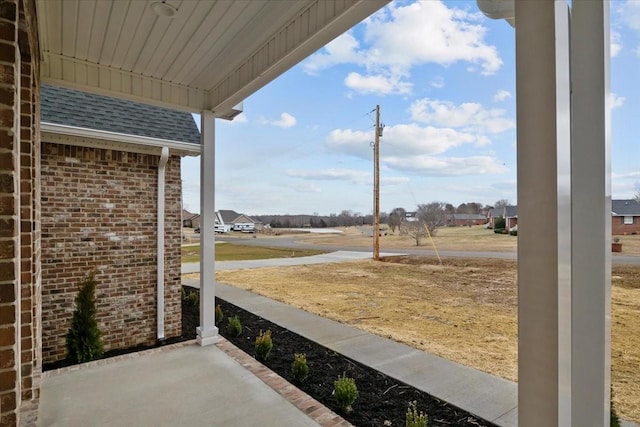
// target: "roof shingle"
[[85, 110]]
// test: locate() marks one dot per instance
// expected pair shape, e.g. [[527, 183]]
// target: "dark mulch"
[[381, 399]]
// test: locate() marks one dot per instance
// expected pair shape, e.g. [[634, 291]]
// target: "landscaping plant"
[[234, 327], [299, 367], [415, 419], [263, 345], [83, 338], [219, 315], [345, 391], [193, 299]]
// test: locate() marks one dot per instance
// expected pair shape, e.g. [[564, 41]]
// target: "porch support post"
[[544, 213], [207, 332], [591, 219]]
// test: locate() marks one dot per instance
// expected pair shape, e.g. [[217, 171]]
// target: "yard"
[[464, 310], [232, 252]]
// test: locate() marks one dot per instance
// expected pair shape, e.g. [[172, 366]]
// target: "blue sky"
[[444, 77]]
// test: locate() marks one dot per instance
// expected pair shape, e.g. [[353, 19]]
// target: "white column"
[[207, 332], [591, 220], [544, 213]]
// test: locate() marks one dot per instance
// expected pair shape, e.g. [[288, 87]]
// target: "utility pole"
[[376, 188]]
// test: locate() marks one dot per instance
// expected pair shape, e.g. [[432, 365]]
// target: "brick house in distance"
[[111, 204], [625, 217]]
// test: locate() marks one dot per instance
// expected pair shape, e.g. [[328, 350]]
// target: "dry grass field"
[[464, 310]]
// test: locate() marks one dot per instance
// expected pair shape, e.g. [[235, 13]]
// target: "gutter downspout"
[[164, 157]]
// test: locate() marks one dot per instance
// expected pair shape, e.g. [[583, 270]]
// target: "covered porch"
[[207, 57]]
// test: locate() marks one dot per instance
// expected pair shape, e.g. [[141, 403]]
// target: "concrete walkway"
[[338, 256], [177, 385]]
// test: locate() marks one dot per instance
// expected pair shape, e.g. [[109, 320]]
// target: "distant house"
[[509, 213], [234, 221], [625, 217], [457, 220], [411, 216], [190, 220]]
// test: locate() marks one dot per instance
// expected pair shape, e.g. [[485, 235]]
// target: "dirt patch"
[[464, 310]]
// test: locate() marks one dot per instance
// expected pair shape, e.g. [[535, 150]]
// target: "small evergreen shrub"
[[234, 327], [346, 392], [193, 298], [219, 315], [513, 233], [413, 418], [499, 230], [263, 345], [83, 338], [500, 223], [613, 416], [299, 367]]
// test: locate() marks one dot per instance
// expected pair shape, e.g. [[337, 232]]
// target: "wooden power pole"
[[376, 188]]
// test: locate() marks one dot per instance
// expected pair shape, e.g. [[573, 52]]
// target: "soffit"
[[209, 56]]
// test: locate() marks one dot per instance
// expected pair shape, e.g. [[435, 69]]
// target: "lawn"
[[233, 252], [464, 310]]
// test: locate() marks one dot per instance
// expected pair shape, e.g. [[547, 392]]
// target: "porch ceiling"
[[210, 56]]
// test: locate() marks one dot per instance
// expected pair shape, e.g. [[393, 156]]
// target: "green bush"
[[299, 367], [500, 223], [613, 417], [234, 327], [499, 230], [263, 345], [219, 315], [345, 391], [83, 337], [193, 298], [413, 418], [513, 233]]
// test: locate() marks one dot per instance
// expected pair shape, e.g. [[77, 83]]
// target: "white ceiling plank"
[[69, 27], [140, 37], [212, 13], [53, 9], [83, 24], [233, 90], [176, 37], [113, 31], [153, 45], [127, 33], [102, 16]]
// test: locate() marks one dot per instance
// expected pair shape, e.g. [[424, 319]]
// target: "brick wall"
[[99, 210], [620, 228], [19, 213]]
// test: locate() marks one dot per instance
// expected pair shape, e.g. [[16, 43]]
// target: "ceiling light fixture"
[[164, 9]]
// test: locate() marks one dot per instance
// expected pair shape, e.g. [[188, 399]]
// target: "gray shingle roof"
[[626, 207], [85, 110]]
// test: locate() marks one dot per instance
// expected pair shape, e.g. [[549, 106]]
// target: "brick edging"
[[298, 398]]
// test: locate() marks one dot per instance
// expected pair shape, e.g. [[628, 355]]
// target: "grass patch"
[[233, 252]]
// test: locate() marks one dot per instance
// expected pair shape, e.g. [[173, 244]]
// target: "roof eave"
[[73, 135]]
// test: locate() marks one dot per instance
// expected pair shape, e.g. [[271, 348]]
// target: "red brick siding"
[[99, 210], [618, 226], [19, 213]]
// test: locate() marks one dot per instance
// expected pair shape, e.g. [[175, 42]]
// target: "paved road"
[[290, 242]]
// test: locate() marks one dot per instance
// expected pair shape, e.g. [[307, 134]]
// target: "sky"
[[444, 77]]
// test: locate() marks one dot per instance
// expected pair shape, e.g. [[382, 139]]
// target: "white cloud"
[[331, 175], [401, 140], [285, 121], [615, 100], [437, 82], [240, 118], [626, 175], [501, 95], [306, 188], [630, 13], [377, 84], [468, 116], [403, 36], [446, 166], [616, 44]]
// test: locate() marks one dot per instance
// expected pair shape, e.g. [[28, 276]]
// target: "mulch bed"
[[382, 401]]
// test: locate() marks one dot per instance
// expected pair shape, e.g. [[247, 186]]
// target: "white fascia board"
[[96, 136]]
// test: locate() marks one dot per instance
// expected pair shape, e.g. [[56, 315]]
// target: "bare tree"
[[395, 218], [433, 215], [501, 203], [415, 230]]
